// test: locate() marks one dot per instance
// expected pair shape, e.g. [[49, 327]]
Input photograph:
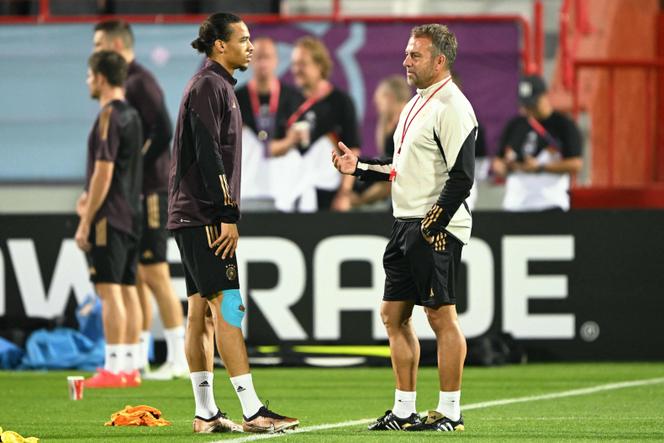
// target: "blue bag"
[[89, 316], [62, 348], [10, 354]]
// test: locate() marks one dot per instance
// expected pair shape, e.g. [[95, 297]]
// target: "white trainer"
[[168, 371]]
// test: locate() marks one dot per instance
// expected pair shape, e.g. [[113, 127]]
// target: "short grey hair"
[[443, 40]]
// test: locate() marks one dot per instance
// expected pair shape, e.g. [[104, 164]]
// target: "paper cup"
[[75, 383], [304, 128]]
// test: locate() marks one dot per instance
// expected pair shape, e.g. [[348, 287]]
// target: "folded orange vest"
[[142, 415]]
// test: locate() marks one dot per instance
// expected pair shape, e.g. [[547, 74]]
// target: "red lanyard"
[[406, 124], [304, 107], [275, 91]]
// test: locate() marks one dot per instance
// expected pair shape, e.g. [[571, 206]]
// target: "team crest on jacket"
[[231, 272]]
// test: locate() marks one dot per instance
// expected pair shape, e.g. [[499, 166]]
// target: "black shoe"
[[390, 422], [436, 421], [268, 422]]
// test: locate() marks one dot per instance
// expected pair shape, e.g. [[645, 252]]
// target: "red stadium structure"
[[614, 180]]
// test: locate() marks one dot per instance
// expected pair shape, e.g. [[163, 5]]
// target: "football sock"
[[146, 337], [201, 382], [175, 346], [404, 403], [133, 353], [449, 404], [113, 360], [244, 388]]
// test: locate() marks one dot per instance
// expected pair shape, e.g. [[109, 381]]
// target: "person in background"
[[326, 116], [145, 95], [481, 165], [391, 95], [539, 152], [265, 103], [109, 211]]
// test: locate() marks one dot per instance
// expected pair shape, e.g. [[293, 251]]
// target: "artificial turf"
[[37, 404]]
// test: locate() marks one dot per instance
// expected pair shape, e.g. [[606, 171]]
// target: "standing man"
[[266, 103], [144, 94], [539, 152], [431, 173], [109, 225], [204, 188]]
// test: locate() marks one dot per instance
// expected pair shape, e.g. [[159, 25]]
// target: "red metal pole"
[[659, 103], [336, 9], [575, 93], [565, 61], [44, 10], [609, 143], [650, 140], [539, 36], [526, 52]]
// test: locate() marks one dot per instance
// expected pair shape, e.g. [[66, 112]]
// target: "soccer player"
[[144, 94], [109, 210], [204, 188], [431, 172]]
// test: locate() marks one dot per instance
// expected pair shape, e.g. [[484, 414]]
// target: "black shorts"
[[205, 273], [113, 256], [154, 236], [418, 271]]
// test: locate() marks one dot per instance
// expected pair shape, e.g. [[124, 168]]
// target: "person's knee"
[[231, 308], [394, 321], [196, 326], [440, 318], [154, 276]]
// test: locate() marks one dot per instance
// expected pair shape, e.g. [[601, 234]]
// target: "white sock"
[[449, 404], [201, 382], [175, 346], [126, 358], [244, 388], [146, 337], [133, 353], [113, 360], [404, 403]]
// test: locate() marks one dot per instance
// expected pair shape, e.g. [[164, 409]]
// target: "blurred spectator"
[[538, 152], [266, 104], [390, 97], [481, 165], [326, 116]]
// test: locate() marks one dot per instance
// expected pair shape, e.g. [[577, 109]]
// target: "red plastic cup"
[[75, 383]]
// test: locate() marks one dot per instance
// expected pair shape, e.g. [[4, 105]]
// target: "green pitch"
[[37, 404]]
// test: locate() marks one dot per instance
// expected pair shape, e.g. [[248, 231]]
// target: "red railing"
[[538, 56], [530, 62], [579, 26]]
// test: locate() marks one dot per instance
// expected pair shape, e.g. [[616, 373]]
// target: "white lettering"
[[70, 273], [330, 299], [478, 318], [275, 303], [519, 287]]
